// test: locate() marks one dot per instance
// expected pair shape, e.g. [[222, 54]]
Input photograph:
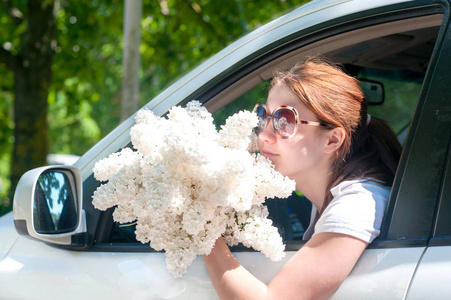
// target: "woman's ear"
[[336, 137]]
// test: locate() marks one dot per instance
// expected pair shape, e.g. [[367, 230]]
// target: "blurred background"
[[70, 71]]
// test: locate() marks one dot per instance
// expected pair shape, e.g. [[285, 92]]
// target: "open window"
[[394, 53], [395, 56]]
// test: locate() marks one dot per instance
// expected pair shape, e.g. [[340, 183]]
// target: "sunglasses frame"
[[296, 118]]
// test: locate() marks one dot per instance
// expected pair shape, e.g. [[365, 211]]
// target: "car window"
[[401, 89], [246, 101], [402, 83]]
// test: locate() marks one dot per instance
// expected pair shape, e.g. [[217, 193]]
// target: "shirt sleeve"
[[357, 209]]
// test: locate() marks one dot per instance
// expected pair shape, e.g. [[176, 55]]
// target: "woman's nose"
[[267, 134]]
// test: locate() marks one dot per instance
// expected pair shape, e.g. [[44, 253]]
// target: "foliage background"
[[84, 95]]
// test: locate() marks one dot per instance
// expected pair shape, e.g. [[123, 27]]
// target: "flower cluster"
[[186, 184]]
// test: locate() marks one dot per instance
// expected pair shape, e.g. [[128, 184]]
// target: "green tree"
[[52, 60], [29, 57], [72, 96]]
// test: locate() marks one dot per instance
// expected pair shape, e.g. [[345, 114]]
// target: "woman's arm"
[[314, 272]]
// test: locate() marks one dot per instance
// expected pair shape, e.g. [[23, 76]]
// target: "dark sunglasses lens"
[[261, 111], [284, 121], [262, 117]]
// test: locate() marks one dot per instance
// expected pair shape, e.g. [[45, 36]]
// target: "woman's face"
[[298, 156]]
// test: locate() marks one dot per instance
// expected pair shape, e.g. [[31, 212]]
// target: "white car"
[[399, 49]]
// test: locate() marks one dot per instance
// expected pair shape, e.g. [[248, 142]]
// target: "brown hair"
[[368, 151]]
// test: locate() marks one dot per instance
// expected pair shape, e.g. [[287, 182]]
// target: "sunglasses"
[[285, 120]]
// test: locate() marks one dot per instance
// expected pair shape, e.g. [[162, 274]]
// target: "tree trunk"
[[131, 59], [30, 117], [32, 75]]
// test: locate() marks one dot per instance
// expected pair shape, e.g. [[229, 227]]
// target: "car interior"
[[393, 55]]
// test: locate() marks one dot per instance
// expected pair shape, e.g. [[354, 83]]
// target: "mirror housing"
[[48, 206]]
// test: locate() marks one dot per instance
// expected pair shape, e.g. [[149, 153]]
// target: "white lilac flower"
[[111, 165], [186, 184], [236, 133]]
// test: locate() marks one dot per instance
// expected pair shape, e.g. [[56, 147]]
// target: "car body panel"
[[432, 279], [8, 235], [380, 273]]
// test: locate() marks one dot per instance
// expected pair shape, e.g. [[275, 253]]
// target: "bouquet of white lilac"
[[187, 184]]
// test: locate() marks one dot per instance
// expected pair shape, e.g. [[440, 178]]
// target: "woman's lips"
[[267, 154]]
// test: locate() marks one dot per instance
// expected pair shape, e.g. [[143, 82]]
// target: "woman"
[[315, 129]]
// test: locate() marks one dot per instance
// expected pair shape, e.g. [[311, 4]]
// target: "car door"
[[405, 249], [432, 276]]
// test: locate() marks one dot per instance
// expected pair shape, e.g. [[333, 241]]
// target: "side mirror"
[[48, 205], [373, 90]]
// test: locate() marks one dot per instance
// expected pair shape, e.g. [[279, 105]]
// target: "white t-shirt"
[[357, 209]]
